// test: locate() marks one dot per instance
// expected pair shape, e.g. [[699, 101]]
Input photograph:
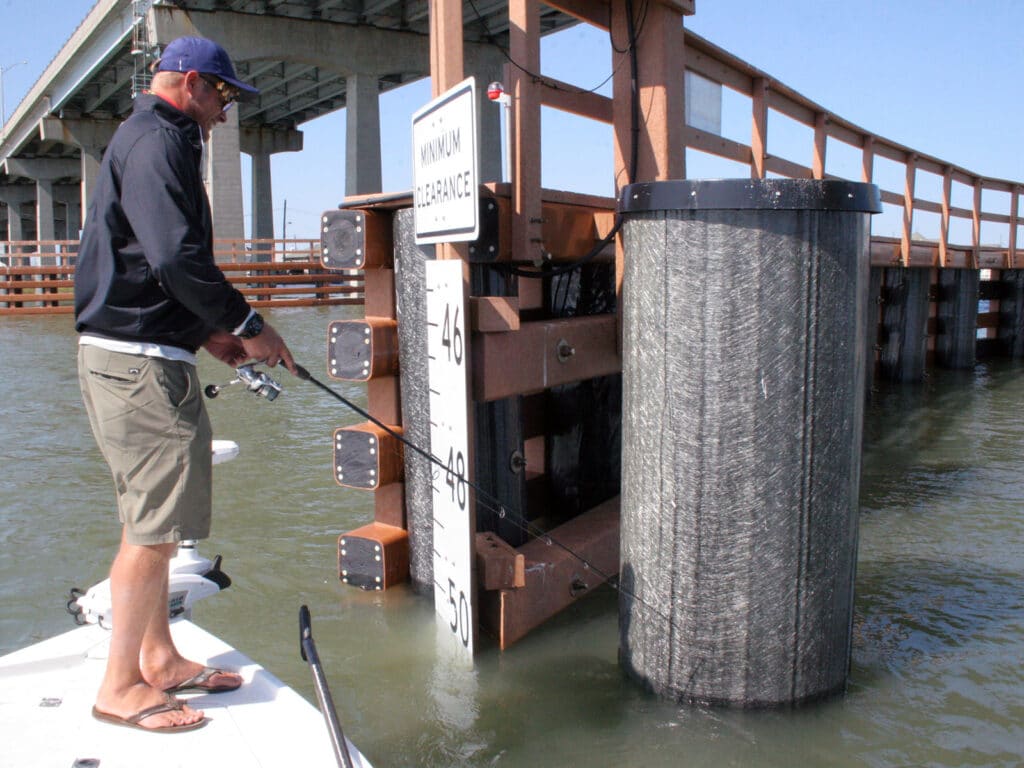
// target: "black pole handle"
[[308, 649]]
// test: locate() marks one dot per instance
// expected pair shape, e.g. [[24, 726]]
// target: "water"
[[936, 678]]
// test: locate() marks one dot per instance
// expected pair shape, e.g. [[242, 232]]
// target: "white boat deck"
[[47, 692]]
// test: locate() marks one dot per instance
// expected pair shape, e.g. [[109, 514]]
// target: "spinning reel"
[[257, 382]]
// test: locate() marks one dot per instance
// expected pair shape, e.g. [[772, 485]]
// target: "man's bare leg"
[[161, 664], [138, 588]]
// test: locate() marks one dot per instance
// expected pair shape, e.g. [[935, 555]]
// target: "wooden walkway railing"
[[37, 277]]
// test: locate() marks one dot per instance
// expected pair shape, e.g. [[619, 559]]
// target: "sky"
[[940, 76]]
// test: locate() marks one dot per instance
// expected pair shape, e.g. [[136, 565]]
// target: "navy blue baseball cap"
[[187, 54]]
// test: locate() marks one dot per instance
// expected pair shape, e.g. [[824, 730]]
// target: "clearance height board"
[[446, 209]]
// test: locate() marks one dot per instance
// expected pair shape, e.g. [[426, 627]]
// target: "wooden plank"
[[316, 290], [867, 162], [1011, 253], [446, 47], [718, 145], [494, 314], [569, 98], [544, 354], [595, 12], [759, 128], [586, 555], [976, 222], [947, 188], [524, 48], [383, 399], [707, 64], [908, 209], [498, 564], [379, 289], [787, 168], [389, 505], [569, 231], [782, 100], [820, 145]]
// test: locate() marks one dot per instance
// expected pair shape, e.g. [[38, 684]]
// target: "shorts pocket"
[[177, 380]]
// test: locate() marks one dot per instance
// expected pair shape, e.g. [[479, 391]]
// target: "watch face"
[[254, 327]]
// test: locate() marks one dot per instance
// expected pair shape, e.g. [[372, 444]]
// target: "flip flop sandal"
[[170, 705], [201, 683]]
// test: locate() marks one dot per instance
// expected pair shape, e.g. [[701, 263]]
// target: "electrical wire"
[[633, 30]]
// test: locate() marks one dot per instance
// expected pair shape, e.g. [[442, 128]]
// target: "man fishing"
[[148, 295]]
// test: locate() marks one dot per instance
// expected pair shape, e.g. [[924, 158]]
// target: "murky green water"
[[938, 667]]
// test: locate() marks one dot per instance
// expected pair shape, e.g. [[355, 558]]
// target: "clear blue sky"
[[941, 76]]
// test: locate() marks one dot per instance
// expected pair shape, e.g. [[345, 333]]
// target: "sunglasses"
[[228, 94]]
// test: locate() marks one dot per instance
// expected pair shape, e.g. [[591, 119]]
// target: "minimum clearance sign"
[[446, 193]]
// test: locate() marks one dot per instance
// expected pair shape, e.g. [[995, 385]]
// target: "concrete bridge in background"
[[308, 58]]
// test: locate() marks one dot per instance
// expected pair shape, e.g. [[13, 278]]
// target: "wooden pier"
[[37, 277], [544, 347]]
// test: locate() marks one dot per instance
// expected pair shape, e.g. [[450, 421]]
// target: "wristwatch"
[[253, 327]]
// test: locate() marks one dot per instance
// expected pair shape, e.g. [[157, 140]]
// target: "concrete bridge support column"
[[45, 171], [92, 138], [362, 135], [260, 144], [1011, 313], [68, 208], [957, 318], [46, 227], [904, 323], [223, 177], [14, 197], [261, 206]]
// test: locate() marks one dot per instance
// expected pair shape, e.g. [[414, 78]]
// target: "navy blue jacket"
[[145, 268]]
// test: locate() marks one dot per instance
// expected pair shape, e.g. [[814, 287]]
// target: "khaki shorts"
[[148, 417]]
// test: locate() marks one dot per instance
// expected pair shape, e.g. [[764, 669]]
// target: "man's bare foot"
[[126, 705], [183, 676]]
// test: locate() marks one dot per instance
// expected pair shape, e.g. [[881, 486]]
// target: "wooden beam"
[[586, 555], [976, 223], [759, 128], [1011, 253], [867, 160], [597, 12], [820, 144], [498, 564], [446, 49], [544, 354], [524, 48], [908, 209], [947, 189], [494, 314], [569, 98], [661, 143]]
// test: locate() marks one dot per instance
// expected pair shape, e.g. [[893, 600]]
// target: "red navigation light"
[[495, 91]]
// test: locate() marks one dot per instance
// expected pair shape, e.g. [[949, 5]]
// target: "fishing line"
[[486, 499]]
